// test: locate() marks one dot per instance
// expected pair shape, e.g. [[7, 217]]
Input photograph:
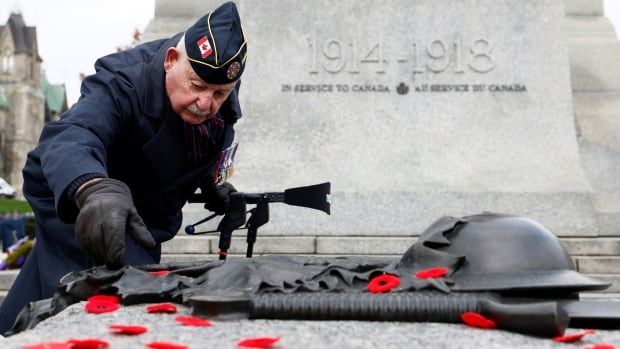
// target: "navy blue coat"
[[123, 127]]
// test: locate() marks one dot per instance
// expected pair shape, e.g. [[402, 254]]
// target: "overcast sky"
[[72, 34]]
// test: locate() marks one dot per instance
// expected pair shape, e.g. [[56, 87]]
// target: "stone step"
[[182, 244], [613, 279], [294, 245], [264, 244], [598, 265], [599, 295], [363, 245], [181, 258], [354, 245], [602, 246]]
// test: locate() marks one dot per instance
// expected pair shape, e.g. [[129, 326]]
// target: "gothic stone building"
[[27, 99]]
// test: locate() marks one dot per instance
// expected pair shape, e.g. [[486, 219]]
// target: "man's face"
[[193, 99]]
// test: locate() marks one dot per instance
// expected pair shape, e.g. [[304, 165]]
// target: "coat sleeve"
[[77, 144]]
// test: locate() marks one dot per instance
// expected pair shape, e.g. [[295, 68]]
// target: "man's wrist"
[[86, 184], [78, 184]]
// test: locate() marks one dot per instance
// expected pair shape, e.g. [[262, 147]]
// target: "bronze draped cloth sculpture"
[[508, 268]]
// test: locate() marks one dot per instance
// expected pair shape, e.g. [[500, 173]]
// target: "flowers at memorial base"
[[476, 320], [188, 320], [88, 343], [131, 330], [159, 272], [432, 273], [258, 342], [168, 308], [573, 337], [383, 283], [104, 298], [100, 307], [49, 345], [166, 345]]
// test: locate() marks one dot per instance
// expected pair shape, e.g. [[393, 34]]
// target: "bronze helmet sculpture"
[[498, 252]]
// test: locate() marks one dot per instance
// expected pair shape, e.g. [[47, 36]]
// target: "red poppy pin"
[[573, 337], [127, 329], [166, 345], [188, 320], [476, 320], [103, 298], [432, 273], [600, 346], [258, 342], [168, 308], [159, 272], [383, 283], [88, 343], [100, 307]]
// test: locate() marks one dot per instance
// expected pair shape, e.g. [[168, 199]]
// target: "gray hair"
[[181, 46]]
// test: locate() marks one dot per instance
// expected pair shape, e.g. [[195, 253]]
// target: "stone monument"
[[414, 110], [417, 109]]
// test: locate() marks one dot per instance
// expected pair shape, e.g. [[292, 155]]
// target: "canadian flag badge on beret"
[[205, 47]]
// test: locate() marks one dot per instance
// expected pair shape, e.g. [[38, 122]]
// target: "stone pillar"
[[595, 75], [594, 52]]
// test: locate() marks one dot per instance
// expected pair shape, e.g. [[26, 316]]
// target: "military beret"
[[216, 46]]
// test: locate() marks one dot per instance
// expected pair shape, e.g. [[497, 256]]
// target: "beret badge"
[[233, 70]]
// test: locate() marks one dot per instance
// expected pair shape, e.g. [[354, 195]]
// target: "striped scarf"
[[201, 139]]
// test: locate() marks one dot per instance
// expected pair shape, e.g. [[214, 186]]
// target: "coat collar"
[[156, 101]]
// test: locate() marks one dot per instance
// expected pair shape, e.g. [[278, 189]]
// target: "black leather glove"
[[218, 197], [106, 213]]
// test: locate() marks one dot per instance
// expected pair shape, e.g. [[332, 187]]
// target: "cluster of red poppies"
[[100, 304], [386, 282], [476, 320]]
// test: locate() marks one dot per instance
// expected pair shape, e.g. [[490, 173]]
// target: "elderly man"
[[107, 182]]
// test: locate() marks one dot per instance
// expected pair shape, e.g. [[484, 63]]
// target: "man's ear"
[[171, 57]]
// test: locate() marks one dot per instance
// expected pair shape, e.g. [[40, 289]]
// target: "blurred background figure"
[[12, 229], [15, 244]]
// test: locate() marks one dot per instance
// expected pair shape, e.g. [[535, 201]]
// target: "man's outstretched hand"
[[106, 213]]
